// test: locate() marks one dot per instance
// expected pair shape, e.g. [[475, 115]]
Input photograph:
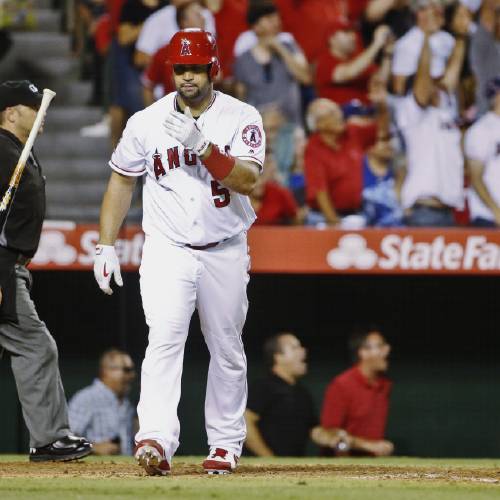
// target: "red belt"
[[203, 247]]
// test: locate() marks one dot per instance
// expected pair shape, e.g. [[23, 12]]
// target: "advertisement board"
[[297, 250]]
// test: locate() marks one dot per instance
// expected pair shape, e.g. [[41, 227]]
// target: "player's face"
[[191, 81], [374, 352], [292, 355]]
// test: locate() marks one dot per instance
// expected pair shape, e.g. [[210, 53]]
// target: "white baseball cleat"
[[151, 457], [220, 461]]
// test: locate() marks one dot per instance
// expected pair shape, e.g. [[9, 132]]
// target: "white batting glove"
[[106, 264], [183, 127]]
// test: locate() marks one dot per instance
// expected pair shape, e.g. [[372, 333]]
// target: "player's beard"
[[194, 94]]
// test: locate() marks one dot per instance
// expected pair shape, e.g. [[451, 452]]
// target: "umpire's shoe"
[[63, 450]]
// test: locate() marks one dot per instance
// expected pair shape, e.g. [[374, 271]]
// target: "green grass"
[[363, 479]]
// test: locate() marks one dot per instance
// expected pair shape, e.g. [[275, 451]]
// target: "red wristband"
[[218, 163]]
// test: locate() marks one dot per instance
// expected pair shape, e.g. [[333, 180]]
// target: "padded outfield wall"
[[444, 332]]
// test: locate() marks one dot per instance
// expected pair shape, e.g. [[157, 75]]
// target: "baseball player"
[[199, 153]]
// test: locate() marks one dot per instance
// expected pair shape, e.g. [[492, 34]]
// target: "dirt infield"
[[84, 469]]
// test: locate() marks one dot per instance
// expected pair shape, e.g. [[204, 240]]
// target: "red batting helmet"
[[194, 46]]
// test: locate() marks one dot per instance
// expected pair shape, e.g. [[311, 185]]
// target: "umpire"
[[23, 335]]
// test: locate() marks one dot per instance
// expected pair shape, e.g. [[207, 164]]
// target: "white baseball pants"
[[174, 280]]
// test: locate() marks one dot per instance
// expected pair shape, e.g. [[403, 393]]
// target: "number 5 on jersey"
[[220, 195]]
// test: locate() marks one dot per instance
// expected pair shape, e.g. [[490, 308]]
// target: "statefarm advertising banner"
[[296, 250]]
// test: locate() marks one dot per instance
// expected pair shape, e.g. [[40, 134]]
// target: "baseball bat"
[[48, 95]]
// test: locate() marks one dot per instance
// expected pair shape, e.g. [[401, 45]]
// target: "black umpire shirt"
[[286, 413], [20, 235]]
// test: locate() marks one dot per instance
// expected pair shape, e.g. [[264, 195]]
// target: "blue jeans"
[[126, 89], [424, 216]]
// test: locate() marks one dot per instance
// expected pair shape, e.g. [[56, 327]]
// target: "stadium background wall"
[[444, 332]]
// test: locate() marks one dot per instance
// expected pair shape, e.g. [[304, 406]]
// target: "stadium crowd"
[[377, 112]]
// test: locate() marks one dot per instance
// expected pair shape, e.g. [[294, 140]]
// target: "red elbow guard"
[[218, 163]]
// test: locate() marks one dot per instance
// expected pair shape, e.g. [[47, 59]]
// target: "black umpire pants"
[[34, 361]]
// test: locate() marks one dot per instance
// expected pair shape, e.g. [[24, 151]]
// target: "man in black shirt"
[[280, 413], [22, 334]]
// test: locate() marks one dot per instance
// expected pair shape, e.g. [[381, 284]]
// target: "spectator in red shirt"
[[273, 203], [356, 402], [343, 72], [333, 160], [159, 72], [310, 20]]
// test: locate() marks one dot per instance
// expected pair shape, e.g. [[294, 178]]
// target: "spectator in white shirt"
[[482, 151], [160, 28], [433, 186], [429, 20]]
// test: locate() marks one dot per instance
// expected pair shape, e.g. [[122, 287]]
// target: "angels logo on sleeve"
[[252, 136]]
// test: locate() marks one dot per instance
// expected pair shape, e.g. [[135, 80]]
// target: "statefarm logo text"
[[406, 252]]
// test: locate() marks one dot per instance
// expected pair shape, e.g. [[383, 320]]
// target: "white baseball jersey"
[[482, 143], [433, 151], [181, 199]]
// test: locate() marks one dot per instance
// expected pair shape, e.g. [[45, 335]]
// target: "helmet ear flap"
[[214, 68]]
